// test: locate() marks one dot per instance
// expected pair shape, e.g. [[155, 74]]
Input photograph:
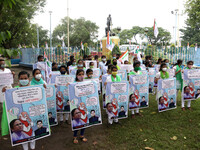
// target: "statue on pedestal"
[[109, 23]]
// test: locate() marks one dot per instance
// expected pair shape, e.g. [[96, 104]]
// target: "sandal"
[[75, 141], [83, 139]]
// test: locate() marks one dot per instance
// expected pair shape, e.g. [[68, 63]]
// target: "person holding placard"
[[103, 62], [63, 71], [189, 66], [89, 74], [16, 125], [76, 114], [113, 77], [163, 74], [91, 65], [137, 71], [179, 80], [4, 124], [37, 78], [54, 66], [80, 64], [115, 64]]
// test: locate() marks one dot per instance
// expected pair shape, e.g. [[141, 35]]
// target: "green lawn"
[[158, 130]]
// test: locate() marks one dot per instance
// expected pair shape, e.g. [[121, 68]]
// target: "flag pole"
[[68, 30]]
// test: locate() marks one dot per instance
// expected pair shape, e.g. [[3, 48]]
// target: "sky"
[[125, 14]]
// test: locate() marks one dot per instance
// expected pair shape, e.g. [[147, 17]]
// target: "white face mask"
[[164, 69], [38, 76]]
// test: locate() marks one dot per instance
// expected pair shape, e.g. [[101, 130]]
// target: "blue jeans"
[[76, 132]]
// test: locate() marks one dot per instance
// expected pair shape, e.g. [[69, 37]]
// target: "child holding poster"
[[23, 77], [113, 77], [76, 114], [186, 88], [163, 74], [135, 95], [179, 80], [37, 78], [89, 73]]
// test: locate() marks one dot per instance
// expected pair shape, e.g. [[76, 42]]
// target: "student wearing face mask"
[[189, 66], [80, 64], [115, 64], [137, 69], [91, 65], [103, 62], [163, 74], [23, 78], [37, 78], [89, 74], [113, 77], [63, 70]]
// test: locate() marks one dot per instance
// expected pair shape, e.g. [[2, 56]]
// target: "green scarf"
[[134, 73], [34, 82], [118, 79], [166, 76], [179, 76]]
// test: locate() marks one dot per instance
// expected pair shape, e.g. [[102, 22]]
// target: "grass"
[[156, 130]]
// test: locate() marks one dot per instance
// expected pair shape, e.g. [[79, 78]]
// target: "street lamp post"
[[50, 12], [175, 12], [38, 46], [67, 30], [97, 42]]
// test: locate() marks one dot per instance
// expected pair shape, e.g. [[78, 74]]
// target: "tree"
[[125, 35], [192, 10], [79, 30], [136, 30], [116, 50], [191, 33], [17, 20], [163, 36]]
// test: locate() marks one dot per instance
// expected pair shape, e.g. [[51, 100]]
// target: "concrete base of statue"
[[105, 51]]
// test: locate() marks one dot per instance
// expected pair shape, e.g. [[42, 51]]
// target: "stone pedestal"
[[105, 51]]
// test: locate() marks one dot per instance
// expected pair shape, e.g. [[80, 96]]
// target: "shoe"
[[75, 141], [183, 108], [189, 108], [139, 114], [83, 138]]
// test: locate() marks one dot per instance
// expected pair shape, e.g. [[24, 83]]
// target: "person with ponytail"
[[162, 74]]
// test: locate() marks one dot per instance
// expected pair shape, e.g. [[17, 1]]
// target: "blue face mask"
[[24, 82], [80, 65], [114, 57]]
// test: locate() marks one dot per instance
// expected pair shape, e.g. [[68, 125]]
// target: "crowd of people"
[[109, 67]]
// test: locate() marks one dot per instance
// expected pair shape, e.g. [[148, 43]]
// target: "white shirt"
[[2, 94]]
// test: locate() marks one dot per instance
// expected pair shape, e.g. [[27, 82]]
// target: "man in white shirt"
[[103, 62]]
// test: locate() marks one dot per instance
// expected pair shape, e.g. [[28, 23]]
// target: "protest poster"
[[191, 84], [54, 74], [51, 104], [63, 80], [144, 72], [157, 67], [62, 99], [73, 72], [117, 95], [95, 80], [96, 73], [166, 94], [27, 114], [123, 74], [139, 91], [104, 69], [6, 78], [171, 73], [127, 67], [71, 68], [152, 75], [84, 105], [87, 63]]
